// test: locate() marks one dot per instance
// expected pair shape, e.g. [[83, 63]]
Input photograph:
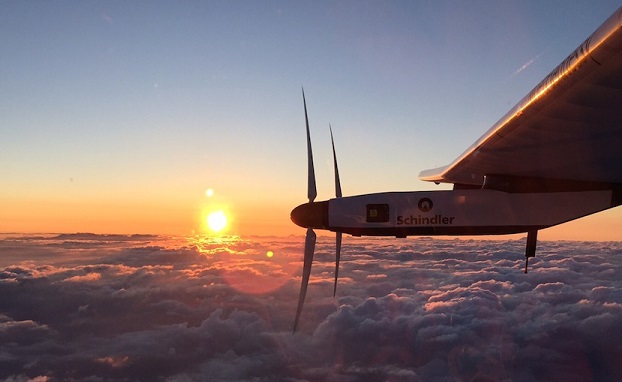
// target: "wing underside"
[[568, 128]]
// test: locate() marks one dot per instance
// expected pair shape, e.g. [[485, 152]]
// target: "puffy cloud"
[[114, 307]]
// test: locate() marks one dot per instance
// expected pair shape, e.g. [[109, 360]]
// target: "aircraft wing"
[[568, 128]]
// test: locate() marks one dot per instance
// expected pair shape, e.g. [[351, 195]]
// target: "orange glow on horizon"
[[244, 218]]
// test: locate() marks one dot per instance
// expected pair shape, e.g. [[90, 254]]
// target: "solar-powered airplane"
[[555, 157]]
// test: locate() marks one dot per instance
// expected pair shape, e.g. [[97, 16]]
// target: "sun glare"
[[217, 221]]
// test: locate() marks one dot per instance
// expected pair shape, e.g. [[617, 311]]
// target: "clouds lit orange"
[[154, 300]]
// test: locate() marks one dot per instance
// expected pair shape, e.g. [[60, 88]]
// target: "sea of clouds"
[[90, 307]]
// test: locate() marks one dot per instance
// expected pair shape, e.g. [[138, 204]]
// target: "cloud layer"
[[90, 307]]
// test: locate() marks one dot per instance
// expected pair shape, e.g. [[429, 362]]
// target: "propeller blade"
[[338, 255], [337, 194], [337, 181], [306, 272], [311, 189]]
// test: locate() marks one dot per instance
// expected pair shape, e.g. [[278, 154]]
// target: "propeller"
[[310, 236], [314, 214]]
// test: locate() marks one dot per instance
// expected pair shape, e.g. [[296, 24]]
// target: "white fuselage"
[[460, 212]]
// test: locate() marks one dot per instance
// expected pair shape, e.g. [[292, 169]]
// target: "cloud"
[[106, 18], [90, 307]]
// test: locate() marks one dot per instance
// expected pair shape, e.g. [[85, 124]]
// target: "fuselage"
[[453, 212]]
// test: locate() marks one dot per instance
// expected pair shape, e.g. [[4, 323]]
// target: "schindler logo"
[[425, 205], [425, 220]]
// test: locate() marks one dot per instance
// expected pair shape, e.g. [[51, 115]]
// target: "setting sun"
[[217, 221]]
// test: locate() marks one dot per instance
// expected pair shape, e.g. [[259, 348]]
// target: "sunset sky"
[[119, 117]]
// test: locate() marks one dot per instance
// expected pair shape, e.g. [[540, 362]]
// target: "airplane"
[[555, 157]]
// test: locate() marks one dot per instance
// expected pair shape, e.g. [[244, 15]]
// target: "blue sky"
[[146, 104]]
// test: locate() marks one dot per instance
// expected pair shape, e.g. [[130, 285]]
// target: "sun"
[[217, 221]]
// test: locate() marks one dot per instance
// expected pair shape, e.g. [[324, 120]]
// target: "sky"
[[118, 117], [86, 307]]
